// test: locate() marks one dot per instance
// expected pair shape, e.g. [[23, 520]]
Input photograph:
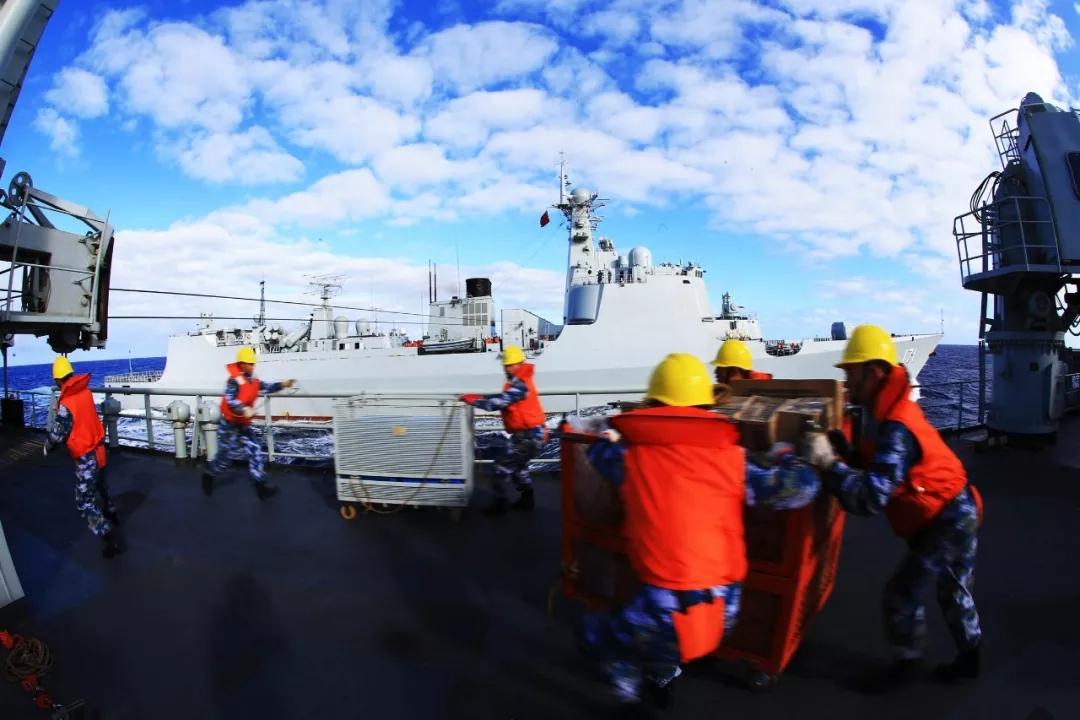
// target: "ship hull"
[[605, 361]]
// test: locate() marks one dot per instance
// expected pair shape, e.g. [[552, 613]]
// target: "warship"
[[622, 313]]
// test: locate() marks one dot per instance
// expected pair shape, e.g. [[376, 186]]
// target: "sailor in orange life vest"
[[908, 472], [242, 391], [78, 426], [523, 417], [734, 362], [683, 480]]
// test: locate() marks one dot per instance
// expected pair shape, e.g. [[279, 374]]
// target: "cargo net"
[[403, 451]]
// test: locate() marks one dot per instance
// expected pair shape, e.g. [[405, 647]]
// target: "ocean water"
[[949, 384]]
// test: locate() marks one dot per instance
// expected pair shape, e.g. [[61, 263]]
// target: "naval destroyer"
[[622, 313]]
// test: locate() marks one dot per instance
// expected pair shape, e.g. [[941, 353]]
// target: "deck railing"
[[952, 406]]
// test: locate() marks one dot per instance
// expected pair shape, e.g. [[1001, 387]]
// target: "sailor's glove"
[[249, 412], [288, 383], [818, 451], [45, 448], [611, 435], [840, 444], [470, 398]]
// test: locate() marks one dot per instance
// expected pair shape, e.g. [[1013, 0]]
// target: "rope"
[[28, 657], [278, 302]]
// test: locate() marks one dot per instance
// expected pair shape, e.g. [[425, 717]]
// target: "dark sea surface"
[[951, 375]]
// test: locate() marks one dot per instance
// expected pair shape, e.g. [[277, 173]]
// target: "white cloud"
[[175, 73], [349, 127], [468, 121], [246, 158], [80, 93], [63, 134], [486, 53]]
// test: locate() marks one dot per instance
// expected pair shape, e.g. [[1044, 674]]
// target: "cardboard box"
[[770, 411]]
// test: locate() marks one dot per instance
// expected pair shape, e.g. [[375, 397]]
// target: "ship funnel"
[[477, 287]]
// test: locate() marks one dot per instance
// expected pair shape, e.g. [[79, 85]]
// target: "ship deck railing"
[[954, 406]]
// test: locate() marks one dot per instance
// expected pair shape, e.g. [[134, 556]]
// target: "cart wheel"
[[759, 681], [456, 514], [348, 512]]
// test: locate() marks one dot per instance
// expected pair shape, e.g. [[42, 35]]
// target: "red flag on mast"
[[544, 219]]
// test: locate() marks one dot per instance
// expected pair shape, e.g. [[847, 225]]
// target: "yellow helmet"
[[61, 367], [681, 380], [734, 353], [868, 342], [245, 355], [513, 355]]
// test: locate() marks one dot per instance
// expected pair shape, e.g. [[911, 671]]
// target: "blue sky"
[[810, 154]]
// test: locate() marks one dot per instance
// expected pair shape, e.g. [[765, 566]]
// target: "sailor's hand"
[[288, 383], [817, 450], [611, 435], [779, 451], [840, 444], [249, 412], [470, 398], [45, 448]]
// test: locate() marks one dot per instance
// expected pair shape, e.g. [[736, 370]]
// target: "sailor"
[[242, 391], [903, 468], [523, 418], [734, 362], [78, 426], [683, 480]]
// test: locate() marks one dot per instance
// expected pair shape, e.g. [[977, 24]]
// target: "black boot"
[[662, 697], [525, 500], [207, 484], [497, 507], [112, 517], [111, 545], [265, 490], [964, 667]]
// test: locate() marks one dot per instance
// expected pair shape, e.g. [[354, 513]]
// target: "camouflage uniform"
[[91, 489], [234, 438], [638, 640], [512, 465], [943, 552]]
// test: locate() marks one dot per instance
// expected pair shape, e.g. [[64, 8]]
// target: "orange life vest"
[[756, 375], [248, 393], [935, 480], [526, 413], [684, 492], [87, 433]]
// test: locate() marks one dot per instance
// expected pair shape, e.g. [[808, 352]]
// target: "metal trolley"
[[404, 451]]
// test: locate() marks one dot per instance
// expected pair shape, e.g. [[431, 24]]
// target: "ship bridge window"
[[356, 346], [733, 324]]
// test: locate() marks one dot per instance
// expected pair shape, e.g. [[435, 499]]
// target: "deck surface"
[[233, 608]]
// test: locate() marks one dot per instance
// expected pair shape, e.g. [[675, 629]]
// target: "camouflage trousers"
[[232, 439], [638, 641], [92, 495], [512, 466], [942, 554]]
